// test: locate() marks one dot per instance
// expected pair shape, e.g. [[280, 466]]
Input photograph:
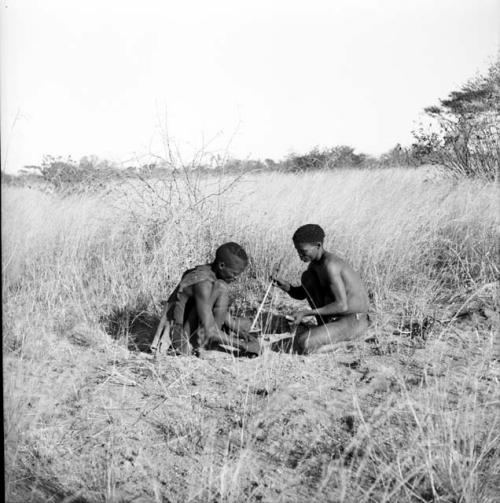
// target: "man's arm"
[[296, 292], [337, 289], [202, 293], [240, 326]]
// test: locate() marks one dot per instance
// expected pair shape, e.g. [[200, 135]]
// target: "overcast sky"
[[261, 78]]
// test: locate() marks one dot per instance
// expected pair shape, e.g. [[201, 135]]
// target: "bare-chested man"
[[198, 307], [335, 293]]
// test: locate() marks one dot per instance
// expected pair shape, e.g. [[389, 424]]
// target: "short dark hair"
[[309, 233], [222, 253]]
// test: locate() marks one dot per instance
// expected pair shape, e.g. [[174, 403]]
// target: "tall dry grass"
[[416, 241], [424, 246]]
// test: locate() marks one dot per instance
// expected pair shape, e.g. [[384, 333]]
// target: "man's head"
[[308, 241], [230, 261]]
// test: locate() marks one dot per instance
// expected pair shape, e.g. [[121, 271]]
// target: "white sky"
[[267, 77]]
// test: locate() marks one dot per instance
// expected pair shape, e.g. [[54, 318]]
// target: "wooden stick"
[[252, 326], [157, 341], [276, 271], [293, 332]]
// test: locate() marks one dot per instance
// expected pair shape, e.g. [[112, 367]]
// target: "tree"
[[466, 140]]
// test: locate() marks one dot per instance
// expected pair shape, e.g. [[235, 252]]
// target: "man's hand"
[[243, 331], [281, 283], [240, 327], [299, 316]]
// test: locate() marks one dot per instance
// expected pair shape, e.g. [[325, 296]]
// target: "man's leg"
[[219, 303], [220, 299], [324, 337], [180, 340]]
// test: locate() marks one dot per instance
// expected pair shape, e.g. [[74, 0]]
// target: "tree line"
[[461, 134]]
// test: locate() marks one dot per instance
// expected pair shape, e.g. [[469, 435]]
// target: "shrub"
[[68, 176], [334, 157]]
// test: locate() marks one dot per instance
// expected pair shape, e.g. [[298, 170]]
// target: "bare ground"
[[120, 425]]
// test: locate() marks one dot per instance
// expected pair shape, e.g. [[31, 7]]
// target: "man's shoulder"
[[199, 274], [205, 269], [334, 263]]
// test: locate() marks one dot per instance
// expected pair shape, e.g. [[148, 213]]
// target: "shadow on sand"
[[137, 328]]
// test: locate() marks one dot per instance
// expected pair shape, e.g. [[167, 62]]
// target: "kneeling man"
[[336, 295]]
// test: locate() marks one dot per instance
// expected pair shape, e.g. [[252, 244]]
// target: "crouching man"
[[199, 306]]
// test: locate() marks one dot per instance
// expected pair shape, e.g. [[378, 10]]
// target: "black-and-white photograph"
[[250, 251]]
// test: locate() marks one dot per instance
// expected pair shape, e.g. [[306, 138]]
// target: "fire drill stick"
[[261, 306]]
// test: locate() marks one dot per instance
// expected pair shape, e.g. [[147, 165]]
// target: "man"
[[335, 293], [198, 307]]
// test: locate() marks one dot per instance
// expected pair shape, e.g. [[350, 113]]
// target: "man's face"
[[307, 251], [230, 269]]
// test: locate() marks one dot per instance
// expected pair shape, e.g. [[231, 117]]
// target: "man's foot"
[[251, 347]]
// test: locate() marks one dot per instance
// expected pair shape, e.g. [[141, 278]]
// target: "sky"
[[253, 79]]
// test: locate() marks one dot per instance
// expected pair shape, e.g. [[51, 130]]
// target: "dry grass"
[[406, 417]]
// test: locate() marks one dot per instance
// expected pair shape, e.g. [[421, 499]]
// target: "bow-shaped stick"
[[254, 322]]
